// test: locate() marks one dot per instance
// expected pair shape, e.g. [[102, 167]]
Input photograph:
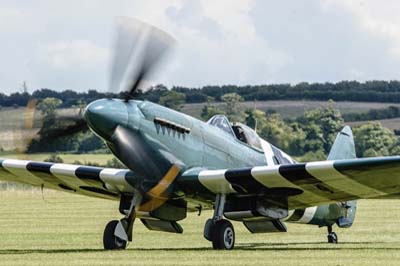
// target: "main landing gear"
[[217, 230], [110, 240], [332, 237], [118, 233]]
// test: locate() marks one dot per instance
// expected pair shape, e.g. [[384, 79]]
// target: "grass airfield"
[[66, 229]]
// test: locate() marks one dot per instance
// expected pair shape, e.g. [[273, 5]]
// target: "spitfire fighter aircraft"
[[177, 164]]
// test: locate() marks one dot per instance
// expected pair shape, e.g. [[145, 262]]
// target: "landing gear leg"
[[118, 233], [217, 230], [332, 237]]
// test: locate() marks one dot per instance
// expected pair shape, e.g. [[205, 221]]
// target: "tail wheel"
[[223, 235], [110, 241]]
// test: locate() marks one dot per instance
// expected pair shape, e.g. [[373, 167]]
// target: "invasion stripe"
[[243, 182], [39, 167], [380, 173], [308, 215], [66, 173], [92, 173], [115, 180], [297, 174], [271, 178], [42, 171], [326, 172], [297, 214], [268, 153], [290, 213], [215, 181], [18, 168]]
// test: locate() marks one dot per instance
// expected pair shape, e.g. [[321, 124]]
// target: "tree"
[[373, 140], [90, 142], [54, 158], [275, 130], [321, 126], [251, 119], [48, 106], [173, 100], [233, 107], [210, 109]]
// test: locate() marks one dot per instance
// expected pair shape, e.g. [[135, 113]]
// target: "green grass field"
[[65, 229]]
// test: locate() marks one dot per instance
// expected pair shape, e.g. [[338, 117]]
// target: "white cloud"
[[378, 19], [74, 54], [65, 44]]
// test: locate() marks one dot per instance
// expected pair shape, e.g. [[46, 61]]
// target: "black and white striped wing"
[[307, 184], [90, 181]]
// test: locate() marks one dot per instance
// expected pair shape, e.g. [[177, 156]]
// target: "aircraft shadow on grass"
[[248, 246]]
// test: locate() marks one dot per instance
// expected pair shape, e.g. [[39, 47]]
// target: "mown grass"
[[65, 229]]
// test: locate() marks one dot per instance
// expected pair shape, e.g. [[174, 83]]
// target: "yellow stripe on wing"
[[157, 193]]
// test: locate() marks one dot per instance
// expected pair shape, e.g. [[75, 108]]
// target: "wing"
[[90, 181], [305, 184]]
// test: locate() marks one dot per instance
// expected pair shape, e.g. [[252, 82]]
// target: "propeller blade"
[[138, 48]]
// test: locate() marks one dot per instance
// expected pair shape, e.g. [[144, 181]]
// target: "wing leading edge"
[[307, 184], [85, 180]]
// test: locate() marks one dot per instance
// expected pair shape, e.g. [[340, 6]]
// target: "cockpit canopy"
[[237, 130]]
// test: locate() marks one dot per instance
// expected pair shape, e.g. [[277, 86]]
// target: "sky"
[[67, 44]]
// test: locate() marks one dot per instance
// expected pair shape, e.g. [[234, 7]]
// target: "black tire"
[[110, 241], [223, 235], [333, 238]]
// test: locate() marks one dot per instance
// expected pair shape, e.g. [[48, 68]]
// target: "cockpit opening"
[[237, 130]]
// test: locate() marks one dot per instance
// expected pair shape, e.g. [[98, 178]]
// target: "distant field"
[[292, 109], [65, 229], [393, 123]]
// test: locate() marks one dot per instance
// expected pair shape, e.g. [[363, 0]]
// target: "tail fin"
[[343, 147], [341, 213]]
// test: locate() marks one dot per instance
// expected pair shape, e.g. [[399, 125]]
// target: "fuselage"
[[205, 145], [163, 137]]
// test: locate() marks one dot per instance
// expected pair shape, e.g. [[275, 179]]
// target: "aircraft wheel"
[[110, 241], [332, 238], [223, 235]]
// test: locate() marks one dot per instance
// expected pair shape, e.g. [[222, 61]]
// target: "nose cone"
[[103, 116]]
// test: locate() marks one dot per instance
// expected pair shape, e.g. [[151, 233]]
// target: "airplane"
[[178, 164]]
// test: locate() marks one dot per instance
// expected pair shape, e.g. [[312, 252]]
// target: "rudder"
[[342, 213]]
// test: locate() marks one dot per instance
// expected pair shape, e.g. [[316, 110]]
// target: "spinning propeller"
[[137, 50]]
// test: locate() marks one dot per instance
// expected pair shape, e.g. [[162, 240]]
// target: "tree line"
[[369, 91]]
